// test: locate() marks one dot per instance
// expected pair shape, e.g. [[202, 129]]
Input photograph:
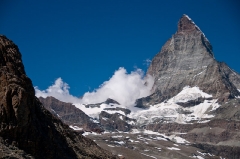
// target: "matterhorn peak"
[[186, 24], [187, 59]]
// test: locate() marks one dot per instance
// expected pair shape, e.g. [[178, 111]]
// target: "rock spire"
[[186, 24], [186, 59]]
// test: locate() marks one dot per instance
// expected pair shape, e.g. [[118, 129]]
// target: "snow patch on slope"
[[149, 156], [238, 91], [170, 111], [173, 148], [164, 137], [189, 93], [199, 73], [75, 127], [95, 111]]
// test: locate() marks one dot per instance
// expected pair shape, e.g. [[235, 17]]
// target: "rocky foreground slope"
[[27, 129]]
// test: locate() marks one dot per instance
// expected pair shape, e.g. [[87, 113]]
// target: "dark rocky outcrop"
[[109, 101], [229, 110], [70, 115], [116, 121], [187, 59], [25, 125]]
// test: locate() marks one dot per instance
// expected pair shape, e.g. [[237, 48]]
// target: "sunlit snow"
[[168, 111], [173, 148], [189, 93], [94, 112], [198, 157], [75, 127], [118, 136], [119, 142], [88, 133], [149, 155]]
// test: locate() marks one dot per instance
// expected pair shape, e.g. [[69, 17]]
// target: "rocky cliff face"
[[70, 115], [116, 121], [27, 129], [187, 59]]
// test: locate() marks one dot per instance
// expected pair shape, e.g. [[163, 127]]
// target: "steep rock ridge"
[[232, 76], [70, 115], [27, 129], [187, 59]]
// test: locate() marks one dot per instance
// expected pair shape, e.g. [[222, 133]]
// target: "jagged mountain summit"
[[27, 129], [187, 59]]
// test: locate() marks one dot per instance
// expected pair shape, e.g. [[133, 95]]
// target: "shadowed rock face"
[[70, 115], [113, 122], [26, 127], [187, 59]]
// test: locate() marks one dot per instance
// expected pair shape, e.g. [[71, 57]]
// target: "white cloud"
[[122, 87], [59, 90]]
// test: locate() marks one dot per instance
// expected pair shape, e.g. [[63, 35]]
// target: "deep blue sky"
[[85, 41]]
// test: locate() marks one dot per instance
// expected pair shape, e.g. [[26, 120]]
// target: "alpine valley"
[[193, 110]]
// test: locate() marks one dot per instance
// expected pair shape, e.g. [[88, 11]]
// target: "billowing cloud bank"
[[122, 87]]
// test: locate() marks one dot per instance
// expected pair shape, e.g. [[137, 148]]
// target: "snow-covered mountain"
[[189, 83], [195, 99]]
